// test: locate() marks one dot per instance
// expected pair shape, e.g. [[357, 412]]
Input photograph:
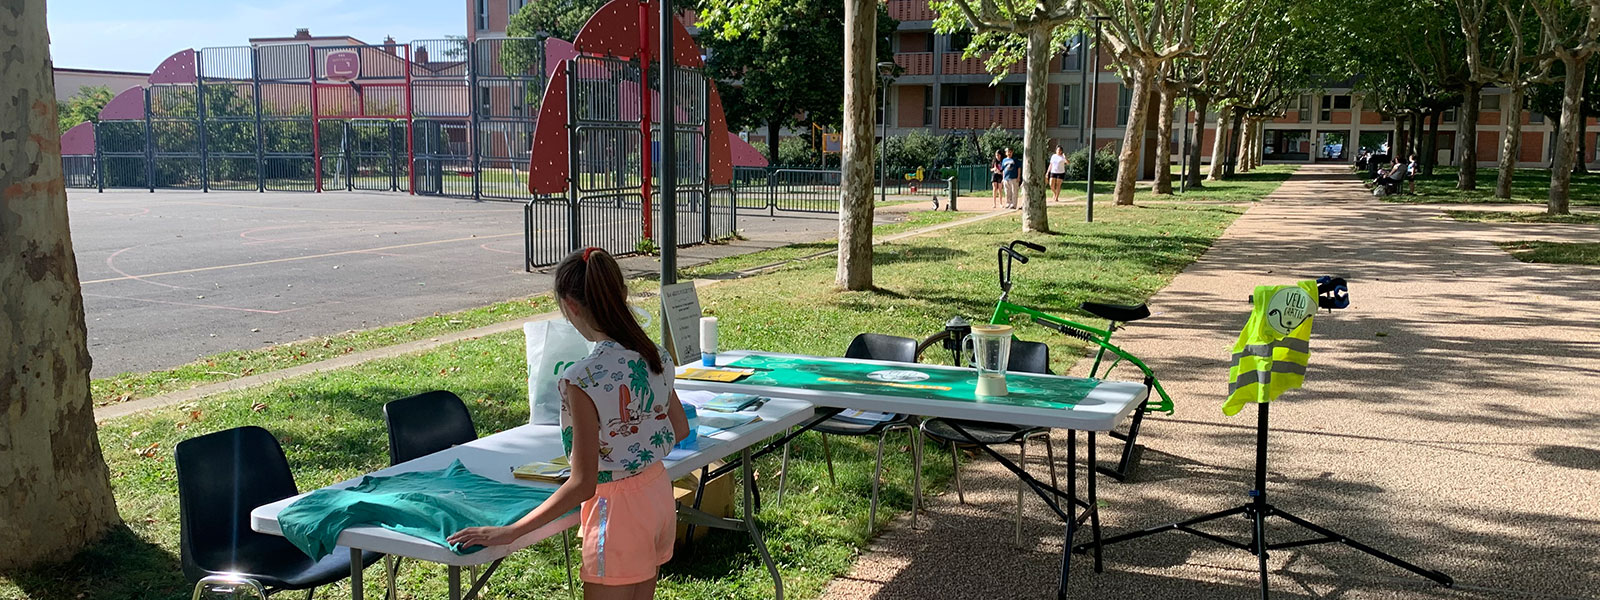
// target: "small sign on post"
[[680, 306], [341, 65]]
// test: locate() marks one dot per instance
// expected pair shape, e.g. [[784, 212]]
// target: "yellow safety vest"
[[1270, 356]]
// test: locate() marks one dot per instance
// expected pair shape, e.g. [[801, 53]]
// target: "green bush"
[[1105, 165], [795, 151]]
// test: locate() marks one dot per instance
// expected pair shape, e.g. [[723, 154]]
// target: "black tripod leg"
[[1436, 576], [1072, 512], [1179, 526], [1094, 510], [1260, 515], [1131, 450]]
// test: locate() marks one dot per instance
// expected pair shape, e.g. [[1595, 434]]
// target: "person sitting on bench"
[[1391, 178]]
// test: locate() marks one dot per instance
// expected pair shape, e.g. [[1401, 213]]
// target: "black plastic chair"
[[223, 476], [426, 423], [1026, 357], [873, 346]]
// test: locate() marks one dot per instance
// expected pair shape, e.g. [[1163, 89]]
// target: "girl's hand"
[[483, 536]]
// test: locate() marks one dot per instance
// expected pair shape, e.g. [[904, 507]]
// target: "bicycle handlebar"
[[1003, 266]]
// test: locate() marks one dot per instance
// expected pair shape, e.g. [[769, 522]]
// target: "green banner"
[[911, 381]]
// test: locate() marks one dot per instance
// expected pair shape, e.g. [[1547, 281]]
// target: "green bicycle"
[[1117, 316]]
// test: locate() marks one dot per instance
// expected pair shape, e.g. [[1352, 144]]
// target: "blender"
[[990, 347]]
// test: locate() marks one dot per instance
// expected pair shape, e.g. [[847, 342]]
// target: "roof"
[[100, 72]]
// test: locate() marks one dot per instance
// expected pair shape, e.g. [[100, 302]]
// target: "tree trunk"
[[1512, 145], [1195, 136], [1219, 145], [1258, 148], [1416, 135], [1398, 146], [1567, 140], [1430, 156], [1234, 143], [1467, 138], [855, 195], [1036, 138], [1581, 165], [55, 490], [1163, 184], [1133, 134], [1248, 139], [772, 142]]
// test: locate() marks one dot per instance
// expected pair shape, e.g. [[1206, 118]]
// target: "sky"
[[136, 35]]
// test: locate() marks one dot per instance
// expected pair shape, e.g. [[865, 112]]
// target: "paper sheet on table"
[[702, 443], [697, 398], [715, 421]]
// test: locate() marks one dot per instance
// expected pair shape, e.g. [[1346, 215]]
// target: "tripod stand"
[[1258, 509]]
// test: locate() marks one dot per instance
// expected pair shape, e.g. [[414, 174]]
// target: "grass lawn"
[[1529, 186], [1242, 187], [331, 426], [1559, 253], [1496, 216]]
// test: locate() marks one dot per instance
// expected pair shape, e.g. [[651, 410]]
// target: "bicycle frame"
[[1005, 311]]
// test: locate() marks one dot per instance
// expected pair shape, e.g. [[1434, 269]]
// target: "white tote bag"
[[553, 345]]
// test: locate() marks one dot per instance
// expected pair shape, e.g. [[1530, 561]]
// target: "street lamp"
[[1094, 92], [885, 72]]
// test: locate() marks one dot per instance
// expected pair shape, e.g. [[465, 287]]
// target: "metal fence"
[[817, 190], [605, 206]]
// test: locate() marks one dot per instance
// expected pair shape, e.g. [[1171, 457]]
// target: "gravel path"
[[1451, 417]]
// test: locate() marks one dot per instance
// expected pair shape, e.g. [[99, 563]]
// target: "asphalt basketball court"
[[172, 275]]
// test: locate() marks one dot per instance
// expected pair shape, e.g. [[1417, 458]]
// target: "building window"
[[958, 41], [1449, 116], [1124, 100], [1072, 59], [1303, 108], [483, 15], [1491, 102], [1333, 103], [1012, 94], [515, 5], [1535, 118], [927, 105], [954, 95], [1069, 104]]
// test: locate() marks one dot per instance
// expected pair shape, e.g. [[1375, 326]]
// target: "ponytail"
[[592, 278]]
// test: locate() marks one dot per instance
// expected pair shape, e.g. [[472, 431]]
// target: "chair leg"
[[961, 496], [391, 569], [783, 473], [827, 455], [916, 474], [473, 571], [1050, 454], [877, 478], [311, 593], [566, 555], [1022, 463]]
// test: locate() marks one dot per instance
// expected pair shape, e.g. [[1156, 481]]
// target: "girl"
[[619, 418], [1058, 171], [994, 178]]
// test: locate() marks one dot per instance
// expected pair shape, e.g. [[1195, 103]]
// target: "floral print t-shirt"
[[632, 403]]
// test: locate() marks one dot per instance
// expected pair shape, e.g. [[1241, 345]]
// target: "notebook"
[[555, 470]]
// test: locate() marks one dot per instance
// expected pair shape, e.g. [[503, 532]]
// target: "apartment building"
[[943, 92]]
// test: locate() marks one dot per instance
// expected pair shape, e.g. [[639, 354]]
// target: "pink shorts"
[[628, 528]]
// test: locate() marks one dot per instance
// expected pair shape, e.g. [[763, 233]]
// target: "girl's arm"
[[578, 488], [680, 422]]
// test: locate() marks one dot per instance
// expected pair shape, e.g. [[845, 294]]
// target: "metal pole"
[[149, 145], [255, 85], [411, 152], [1183, 168], [883, 128], [316, 118], [476, 121], [200, 119], [644, 119], [669, 156], [1083, 75], [1094, 94]]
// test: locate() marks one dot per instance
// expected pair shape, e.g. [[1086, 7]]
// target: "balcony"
[[955, 65], [915, 63], [980, 117], [911, 10]]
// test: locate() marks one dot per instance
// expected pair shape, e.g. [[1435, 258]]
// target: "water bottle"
[[691, 441]]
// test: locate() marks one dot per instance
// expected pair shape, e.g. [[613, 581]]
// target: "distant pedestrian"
[[1058, 172], [1011, 177], [994, 178]]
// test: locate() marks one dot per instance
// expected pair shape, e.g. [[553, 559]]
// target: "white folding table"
[[1102, 408], [496, 455]]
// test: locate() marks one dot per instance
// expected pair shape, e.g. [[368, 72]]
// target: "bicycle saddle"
[[1116, 312]]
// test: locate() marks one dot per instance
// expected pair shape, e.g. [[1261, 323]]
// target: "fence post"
[[99, 161], [149, 146], [255, 86], [705, 163], [474, 119], [574, 237], [954, 193], [772, 192], [200, 119]]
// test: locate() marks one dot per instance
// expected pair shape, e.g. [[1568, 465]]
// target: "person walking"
[[1011, 178], [1058, 172], [994, 178]]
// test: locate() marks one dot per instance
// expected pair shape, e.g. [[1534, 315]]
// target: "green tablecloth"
[[910, 381]]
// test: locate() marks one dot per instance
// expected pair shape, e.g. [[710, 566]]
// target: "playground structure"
[[448, 117]]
